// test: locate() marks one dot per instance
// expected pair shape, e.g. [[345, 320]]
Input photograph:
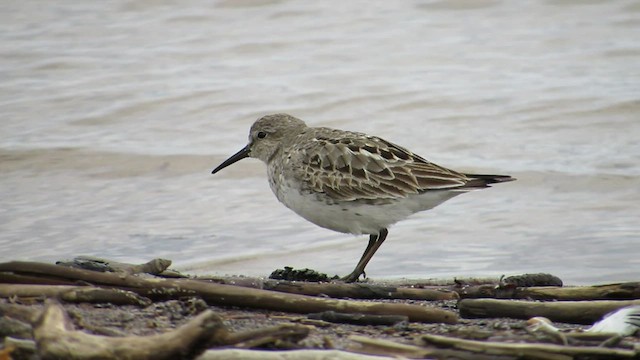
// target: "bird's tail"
[[482, 181]]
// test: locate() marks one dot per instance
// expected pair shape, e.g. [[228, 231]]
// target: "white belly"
[[352, 216]]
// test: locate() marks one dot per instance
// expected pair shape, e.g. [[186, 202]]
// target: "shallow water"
[[114, 113]]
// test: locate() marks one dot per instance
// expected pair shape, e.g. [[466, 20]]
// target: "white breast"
[[352, 216]]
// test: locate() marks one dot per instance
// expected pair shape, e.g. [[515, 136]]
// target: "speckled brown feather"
[[351, 166]]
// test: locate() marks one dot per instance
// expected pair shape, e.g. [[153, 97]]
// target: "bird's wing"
[[352, 166], [624, 321]]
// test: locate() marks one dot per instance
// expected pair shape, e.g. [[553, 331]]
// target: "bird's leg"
[[374, 243], [354, 274]]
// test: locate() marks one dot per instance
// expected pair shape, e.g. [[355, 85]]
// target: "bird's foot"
[[354, 276]]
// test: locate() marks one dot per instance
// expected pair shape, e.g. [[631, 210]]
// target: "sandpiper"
[[348, 181]]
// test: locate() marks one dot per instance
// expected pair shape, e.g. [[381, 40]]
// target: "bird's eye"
[[262, 135]]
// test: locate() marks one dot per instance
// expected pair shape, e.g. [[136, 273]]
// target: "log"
[[459, 282], [619, 291], [153, 267], [14, 327], [228, 295], [10, 278], [334, 290], [74, 294], [219, 294], [576, 312], [527, 350], [238, 354], [359, 290], [219, 333], [382, 347], [340, 289], [358, 319], [24, 313], [292, 333], [56, 338]]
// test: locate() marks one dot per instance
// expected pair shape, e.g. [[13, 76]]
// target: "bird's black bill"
[[235, 158]]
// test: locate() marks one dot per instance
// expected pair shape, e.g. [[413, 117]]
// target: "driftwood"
[[221, 294], [527, 350], [339, 289], [359, 291], [56, 338], [260, 294], [621, 291], [618, 291], [10, 278], [447, 347], [17, 321], [577, 312], [153, 267], [74, 294], [366, 345], [382, 347], [358, 319], [14, 327], [237, 354], [27, 314], [291, 333]]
